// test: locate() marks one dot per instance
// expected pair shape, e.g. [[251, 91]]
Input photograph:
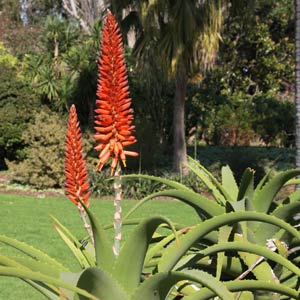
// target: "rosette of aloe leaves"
[[240, 252]]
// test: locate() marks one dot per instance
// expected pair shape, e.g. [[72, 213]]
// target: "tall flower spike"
[[113, 118], [77, 184]]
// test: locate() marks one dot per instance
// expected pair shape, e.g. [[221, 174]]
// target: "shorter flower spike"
[[113, 115], [77, 183]]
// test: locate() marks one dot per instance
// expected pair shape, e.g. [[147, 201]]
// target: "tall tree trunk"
[[297, 79], [179, 143]]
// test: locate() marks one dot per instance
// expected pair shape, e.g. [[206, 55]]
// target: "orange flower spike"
[[76, 184], [113, 115]]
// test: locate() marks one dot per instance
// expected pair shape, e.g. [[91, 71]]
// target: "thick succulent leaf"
[[76, 251], [246, 285], [29, 264], [37, 266], [229, 184], [240, 206], [202, 205], [252, 248], [128, 271], [158, 247], [218, 192], [100, 284], [49, 293], [265, 196], [224, 235], [36, 276], [231, 265], [173, 254], [284, 212], [246, 189], [71, 279], [171, 183], [159, 285], [262, 182], [294, 197], [84, 258], [32, 252], [292, 182], [134, 221], [256, 264], [103, 250]]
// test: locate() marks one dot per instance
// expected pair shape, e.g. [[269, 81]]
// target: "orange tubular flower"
[[77, 184], [113, 117]]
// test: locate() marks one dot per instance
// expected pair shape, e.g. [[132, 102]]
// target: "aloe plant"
[[229, 197]]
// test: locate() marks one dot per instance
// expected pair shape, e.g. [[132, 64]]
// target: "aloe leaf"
[[45, 291], [83, 256], [32, 252], [262, 182], [202, 205], [246, 189], [103, 250], [36, 276], [33, 265], [284, 212], [265, 196], [218, 192], [256, 264], [171, 183], [128, 271], [159, 285], [76, 252], [172, 255], [71, 279], [231, 265], [100, 284], [133, 221], [229, 184], [294, 197], [37, 266], [292, 182], [252, 248], [224, 234], [246, 285], [158, 247]]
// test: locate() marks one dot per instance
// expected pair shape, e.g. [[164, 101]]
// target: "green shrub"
[[17, 106], [273, 120], [44, 163]]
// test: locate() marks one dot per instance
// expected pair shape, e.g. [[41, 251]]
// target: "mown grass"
[[27, 219]]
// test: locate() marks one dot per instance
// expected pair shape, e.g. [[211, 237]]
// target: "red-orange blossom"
[[113, 118], [77, 183]]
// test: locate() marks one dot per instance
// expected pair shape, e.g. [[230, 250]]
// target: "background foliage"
[[245, 100]]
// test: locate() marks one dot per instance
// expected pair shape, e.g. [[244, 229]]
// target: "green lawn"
[[27, 219]]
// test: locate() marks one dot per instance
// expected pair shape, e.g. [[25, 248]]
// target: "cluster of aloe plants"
[[247, 236], [244, 245]]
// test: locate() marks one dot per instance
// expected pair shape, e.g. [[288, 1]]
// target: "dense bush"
[[44, 163], [260, 120], [274, 121], [17, 106]]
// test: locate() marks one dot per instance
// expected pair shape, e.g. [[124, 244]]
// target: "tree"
[[184, 36], [86, 12], [297, 79]]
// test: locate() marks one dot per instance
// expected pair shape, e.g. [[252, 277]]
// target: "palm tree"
[[297, 79], [185, 35]]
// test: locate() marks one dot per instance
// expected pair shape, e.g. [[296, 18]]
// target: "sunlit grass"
[[27, 219]]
